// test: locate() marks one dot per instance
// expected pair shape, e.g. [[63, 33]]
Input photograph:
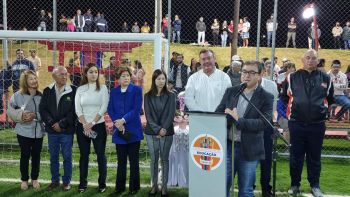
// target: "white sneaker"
[[316, 192], [294, 190]]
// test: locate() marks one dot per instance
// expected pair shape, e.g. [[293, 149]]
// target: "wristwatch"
[[93, 122]]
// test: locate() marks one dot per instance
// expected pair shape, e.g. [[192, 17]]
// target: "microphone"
[[242, 87]]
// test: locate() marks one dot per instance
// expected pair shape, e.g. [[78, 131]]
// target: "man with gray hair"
[[234, 73], [58, 113]]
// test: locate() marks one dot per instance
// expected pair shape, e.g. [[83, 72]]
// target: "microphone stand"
[[276, 135]]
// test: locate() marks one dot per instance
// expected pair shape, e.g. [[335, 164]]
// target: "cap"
[[236, 58]]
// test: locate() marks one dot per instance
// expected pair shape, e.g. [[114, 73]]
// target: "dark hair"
[[289, 65], [18, 50], [138, 64], [206, 51], [120, 69], [321, 63], [264, 59], [252, 63], [336, 62], [85, 79], [154, 91], [112, 57]]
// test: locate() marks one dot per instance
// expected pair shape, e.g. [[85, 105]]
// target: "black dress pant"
[[124, 151], [30, 147], [99, 143]]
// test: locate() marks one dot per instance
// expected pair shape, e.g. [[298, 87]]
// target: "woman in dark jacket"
[[124, 108], [160, 112]]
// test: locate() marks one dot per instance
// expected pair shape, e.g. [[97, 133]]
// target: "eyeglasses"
[[250, 73]]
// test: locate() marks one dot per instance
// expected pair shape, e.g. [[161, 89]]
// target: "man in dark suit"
[[249, 127]]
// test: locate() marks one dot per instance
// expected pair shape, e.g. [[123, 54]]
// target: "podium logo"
[[206, 152]]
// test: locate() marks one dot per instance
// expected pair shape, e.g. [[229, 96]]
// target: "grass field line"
[[95, 184]]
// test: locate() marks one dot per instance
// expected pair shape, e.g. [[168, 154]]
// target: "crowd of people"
[[219, 31], [302, 99]]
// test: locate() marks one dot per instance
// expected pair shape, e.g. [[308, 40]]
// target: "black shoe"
[[82, 188], [132, 192], [266, 193], [101, 189], [153, 193], [164, 193], [117, 191], [52, 186]]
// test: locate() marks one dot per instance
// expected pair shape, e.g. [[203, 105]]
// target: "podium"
[[207, 154]]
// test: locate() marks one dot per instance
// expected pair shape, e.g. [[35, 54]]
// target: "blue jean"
[[347, 44], [223, 39], [178, 34], [344, 102], [63, 143], [246, 171], [269, 38]]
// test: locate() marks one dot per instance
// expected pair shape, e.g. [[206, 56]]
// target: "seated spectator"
[[35, 59], [138, 74], [348, 74], [321, 65], [135, 28], [70, 25], [125, 28], [145, 28], [63, 23], [340, 83], [235, 73], [74, 62]]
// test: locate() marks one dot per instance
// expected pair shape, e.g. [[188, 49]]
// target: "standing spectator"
[[135, 28], [160, 112], [101, 24], [224, 32], [230, 32], [63, 22], [312, 36], [240, 32], [138, 74], [248, 140], [245, 32], [206, 87], [215, 29], [23, 109], [79, 22], [165, 25], [321, 65], [269, 30], [89, 21], [124, 108], [173, 61], [235, 73], [346, 35], [125, 28], [193, 64], [110, 73], [35, 59], [292, 27], [179, 73], [58, 113], [201, 28], [70, 25], [177, 29], [91, 126], [18, 66], [44, 20], [337, 31], [74, 64], [5, 83], [340, 83], [309, 92], [145, 28]]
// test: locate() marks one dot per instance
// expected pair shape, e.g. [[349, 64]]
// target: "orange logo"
[[206, 152]]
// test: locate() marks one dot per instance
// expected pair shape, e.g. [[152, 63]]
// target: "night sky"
[[21, 14]]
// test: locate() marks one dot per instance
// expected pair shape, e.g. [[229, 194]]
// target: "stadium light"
[[309, 11]]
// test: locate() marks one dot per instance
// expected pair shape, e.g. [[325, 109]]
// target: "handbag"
[[126, 136]]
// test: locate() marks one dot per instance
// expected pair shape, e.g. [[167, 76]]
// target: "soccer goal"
[[74, 50]]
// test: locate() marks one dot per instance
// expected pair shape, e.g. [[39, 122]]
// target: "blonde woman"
[[24, 110]]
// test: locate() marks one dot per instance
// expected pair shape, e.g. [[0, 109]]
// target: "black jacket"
[[308, 96], [157, 120], [64, 114], [252, 126]]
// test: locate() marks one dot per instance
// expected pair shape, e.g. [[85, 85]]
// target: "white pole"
[[157, 53], [4, 41]]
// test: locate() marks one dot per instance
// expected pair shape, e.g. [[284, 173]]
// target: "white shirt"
[[270, 87], [246, 27], [203, 92], [340, 82], [89, 102]]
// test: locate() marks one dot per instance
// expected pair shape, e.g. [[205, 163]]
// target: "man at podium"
[[248, 139]]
